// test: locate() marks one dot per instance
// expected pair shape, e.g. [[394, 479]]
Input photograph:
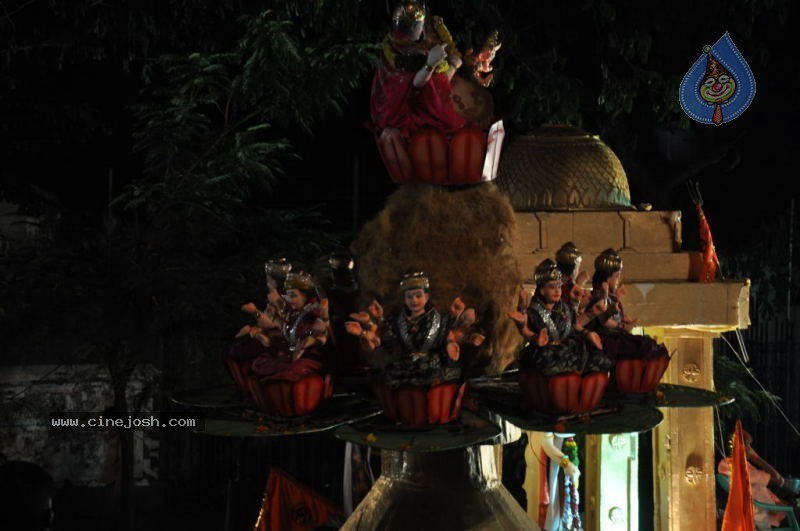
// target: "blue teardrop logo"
[[719, 86]]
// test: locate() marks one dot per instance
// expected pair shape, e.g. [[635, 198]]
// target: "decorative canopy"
[[561, 167]]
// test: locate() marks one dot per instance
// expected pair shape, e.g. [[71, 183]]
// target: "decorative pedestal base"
[[456, 489]]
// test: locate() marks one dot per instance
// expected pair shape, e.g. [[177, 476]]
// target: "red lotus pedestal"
[[640, 376], [421, 406], [290, 399], [470, 156], [568, 393], [428, 151]]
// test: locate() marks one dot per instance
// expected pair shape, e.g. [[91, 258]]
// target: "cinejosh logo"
[[84, 421]]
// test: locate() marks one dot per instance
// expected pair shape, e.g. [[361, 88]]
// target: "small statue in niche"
[[415, 353], [563, 369], [640, 360]]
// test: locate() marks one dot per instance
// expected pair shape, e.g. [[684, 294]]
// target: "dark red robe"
[[395, 102]]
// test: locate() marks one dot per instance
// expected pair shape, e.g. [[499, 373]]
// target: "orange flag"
[[739, 510], [710, 262], [292, 506], [707, 270]]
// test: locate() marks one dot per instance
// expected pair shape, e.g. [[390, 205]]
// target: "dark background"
[[151, 213]]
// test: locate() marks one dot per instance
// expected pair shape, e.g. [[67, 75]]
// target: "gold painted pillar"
[[683, 445], [612, 482]]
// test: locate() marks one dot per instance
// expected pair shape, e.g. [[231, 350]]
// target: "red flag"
[[739, 510], [291, 506]]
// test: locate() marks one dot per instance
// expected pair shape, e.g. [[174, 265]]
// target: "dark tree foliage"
[[177, 245], [610, 67], [68, 70], [151, 137], [151, 258]]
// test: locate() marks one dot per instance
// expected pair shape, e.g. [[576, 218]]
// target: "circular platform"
[[505, 399], [671, 395], [620, 418], [215, 397], [243, 421], [379, 432], [503, 396]]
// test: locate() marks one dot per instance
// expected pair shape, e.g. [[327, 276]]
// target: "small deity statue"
[[428, 122], [640, 360], [559, 340], [470, 96], [569, 259], [252, 339], [607, 290], [287, 374], [303, 324], [560, 349], [411, 88], [342, 297], [551, 481], [276, 271], [479, 64], [414, 350]]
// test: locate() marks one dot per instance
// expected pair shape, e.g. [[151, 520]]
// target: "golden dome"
[[561, 167]]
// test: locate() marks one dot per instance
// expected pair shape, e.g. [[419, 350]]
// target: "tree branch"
[[9, 14], [709, 160]]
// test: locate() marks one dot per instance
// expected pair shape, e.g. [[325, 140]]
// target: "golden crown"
[[278, 266], [609, 261], [415, 280], [568, 254], [299, 280], [408, 12], [545, 272]]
